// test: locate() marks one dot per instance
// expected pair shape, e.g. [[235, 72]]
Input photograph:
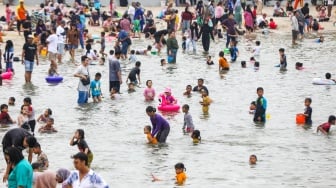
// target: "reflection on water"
[[288, 155]]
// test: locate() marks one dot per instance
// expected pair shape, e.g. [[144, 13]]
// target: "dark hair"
[[132, 51], [328, 75], [137, 64], [254, 156], [49, 111], [281, 50], [9, 45], [148, 127], [257, 42], [150, 109], [253, 103], [331, 118], [98, 74], [189, 86], [185, 107], [81, 156], [51, 119], [149, 47], [37, 145], [111, 52], [271, 20], [256, 64], [260, 89], [31, 141], [298, 64], [196, 134], [14, 154], [221, 54], [243, 63], [201, 79], [12, 98], [3, 106], [180, 166], [36, 165], [308, 99], [83, 58], [81, 133], [147, 82], [27, 100], [162, 60]]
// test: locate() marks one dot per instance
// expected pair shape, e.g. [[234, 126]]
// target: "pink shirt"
[[8, 14], [125, 24], [149, 94], [219, 11]]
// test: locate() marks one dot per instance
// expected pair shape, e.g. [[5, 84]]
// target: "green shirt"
[[21, 175]]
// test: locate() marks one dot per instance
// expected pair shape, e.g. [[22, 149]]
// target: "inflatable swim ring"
[[322, 81], [167, 107], [7, 75], [54, 79]]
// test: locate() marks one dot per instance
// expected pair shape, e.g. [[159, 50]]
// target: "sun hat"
[[167, 90]]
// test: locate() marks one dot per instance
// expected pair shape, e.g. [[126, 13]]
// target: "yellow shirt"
[[151, 140], [177, 19], [21, 12], [181, 178], [206, 103]]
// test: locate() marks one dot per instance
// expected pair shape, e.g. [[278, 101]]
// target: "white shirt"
[[60, 34], [260, 19], [131, 10], [295, 24], [83, 71], [256, 51], [90, 180], [91, 55], [52, 43]]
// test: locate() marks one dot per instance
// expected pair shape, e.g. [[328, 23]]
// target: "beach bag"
[[16, 59], [128, 40], [170, 59], [86, 81]]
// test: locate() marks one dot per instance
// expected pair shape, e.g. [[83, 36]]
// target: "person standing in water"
[[161, 126], [29, 53], [261, 105]]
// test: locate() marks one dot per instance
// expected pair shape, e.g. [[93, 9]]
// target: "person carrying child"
[[161, 127], [150, 138]]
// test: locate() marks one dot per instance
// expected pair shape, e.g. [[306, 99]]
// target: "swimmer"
[[45, 116], [223, 64], [145, 51], [188, 125], [196, 136], [243, 64], [253, 107], [325, 127], [4, 116], [328, 77], [11, 101], [321, 39], [48, 127], [253, 160], [149, 92], [150, 138], [188, 91], [170, 99], [252, 60], [209, 61], [131, 88], [298, 66], [206, 101], [134, 75], [308, 111], [163, 62]]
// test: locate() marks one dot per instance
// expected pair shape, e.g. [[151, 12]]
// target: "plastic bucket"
[[300, 119], [226, 51]]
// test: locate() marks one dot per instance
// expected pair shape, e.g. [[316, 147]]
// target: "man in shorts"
[[29, 53], [52, 41], [295, 27], [60, 32], [115, 72]]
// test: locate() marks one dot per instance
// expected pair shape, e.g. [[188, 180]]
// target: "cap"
[[81, 156], [30, 36], [167, 90]]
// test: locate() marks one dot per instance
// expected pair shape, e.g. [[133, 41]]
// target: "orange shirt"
[[223, 63], [181, 178], [21, 12], [151, 140]]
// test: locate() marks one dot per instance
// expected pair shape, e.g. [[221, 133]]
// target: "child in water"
[[149, 92], [131, 87], [42, 158], [206, 101], [256, 49], [253, 160], [79, 140], [133, 58], [243, 64], [4, 116], [209, 61], [188, 91], [45, 116], [283, 60], [298, 66], [188, 125], [328, 77], [170, 99], [95, 88], [180, 174], [325, 127], [253, 107], [222, 62], [48, 127], [320, 40], [308, 111], [114, 93], [163, 62], [150, 138], [145, 51], [11, 101], [261, 105], [23, 119], [196, 136]]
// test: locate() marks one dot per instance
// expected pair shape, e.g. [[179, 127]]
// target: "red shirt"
[[272, 25], [4, 118], [326, 126], [254, 13]]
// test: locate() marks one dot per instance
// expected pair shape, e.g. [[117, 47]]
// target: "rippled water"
[[289, 155]]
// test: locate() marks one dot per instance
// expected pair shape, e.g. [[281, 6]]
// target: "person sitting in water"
[[325, 127], [150, 138], [322, 16], [262, 22], [298, 66], [278, 11], [145, 51], [45, 116], [196, 136], [272, 24], [321, 39], [4, 116], [169, 98], [328, 77], [209, 61], [48, 127]]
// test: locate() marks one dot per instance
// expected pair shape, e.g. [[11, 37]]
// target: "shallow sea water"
[[288, 155]]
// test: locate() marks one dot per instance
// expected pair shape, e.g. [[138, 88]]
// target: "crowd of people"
[[55, 29]]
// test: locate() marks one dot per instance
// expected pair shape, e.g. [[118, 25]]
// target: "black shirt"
[[30, 51], [82, 145], [308, 111], [132, 75], [198, 88], [14, 137]]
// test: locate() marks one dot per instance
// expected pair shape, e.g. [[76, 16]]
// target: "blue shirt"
[[21, 175], [158, 123], [95, 88]]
